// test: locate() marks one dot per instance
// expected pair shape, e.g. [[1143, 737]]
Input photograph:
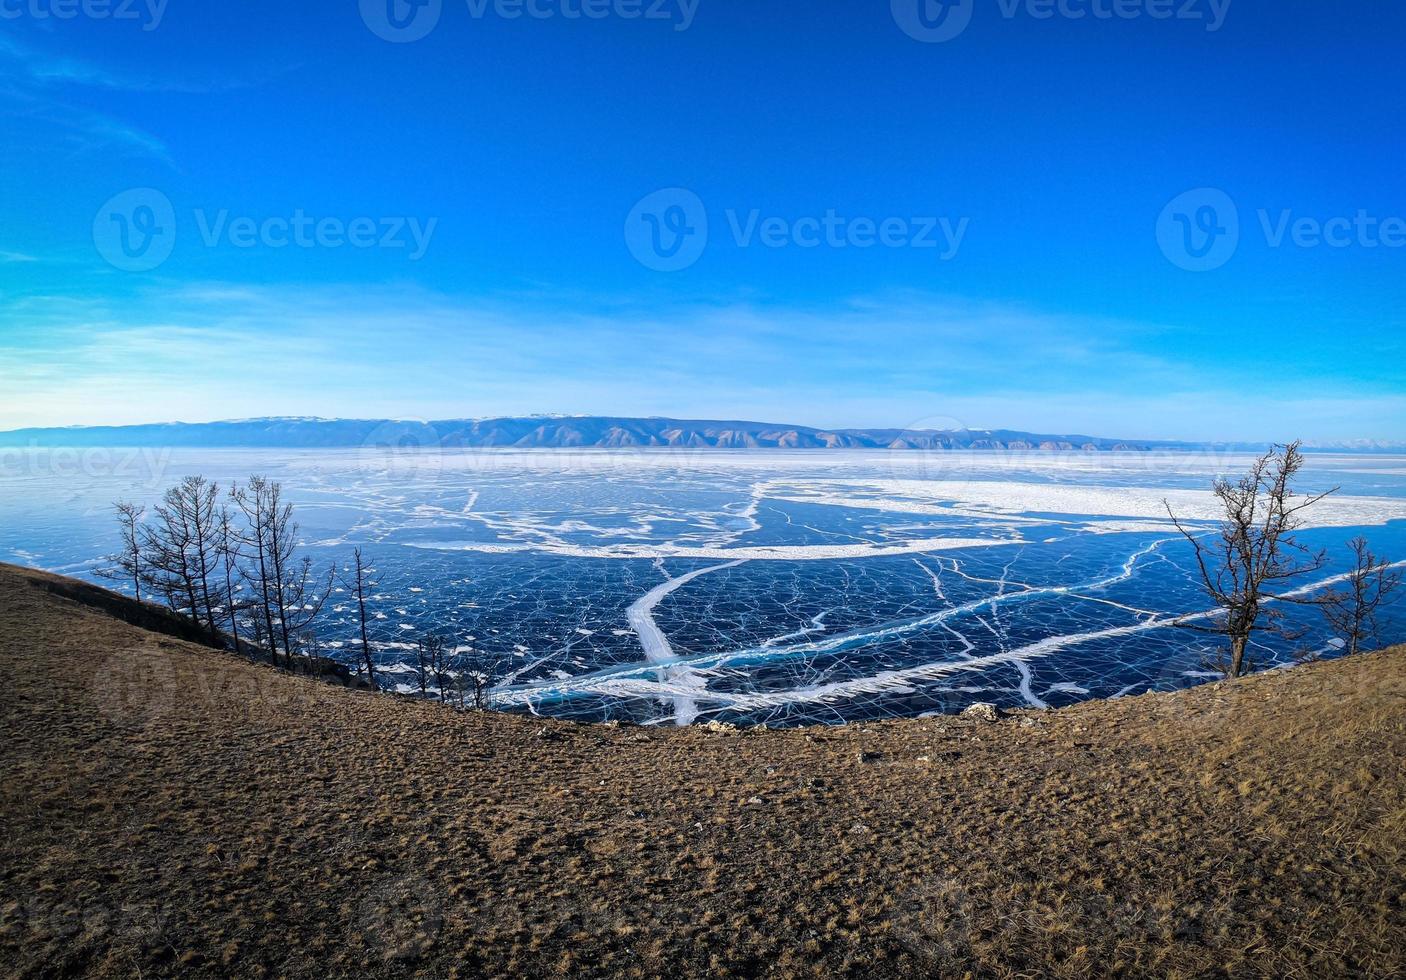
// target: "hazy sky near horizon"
[[229, 210]]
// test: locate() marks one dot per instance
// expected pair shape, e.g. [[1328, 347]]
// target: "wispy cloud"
[[36, 84], [221, 350], [44, 68], [32, 84]]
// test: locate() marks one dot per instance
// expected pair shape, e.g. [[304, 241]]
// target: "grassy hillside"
[[170, 809]]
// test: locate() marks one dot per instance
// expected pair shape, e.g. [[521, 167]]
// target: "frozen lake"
[[752, 586]]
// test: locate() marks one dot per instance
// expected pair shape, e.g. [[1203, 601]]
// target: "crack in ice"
[[628, 679], [657, 648]]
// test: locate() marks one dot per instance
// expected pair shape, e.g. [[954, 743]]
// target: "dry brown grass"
[[168, 809]]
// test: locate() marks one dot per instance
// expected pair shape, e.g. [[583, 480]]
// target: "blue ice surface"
[[540, 561]]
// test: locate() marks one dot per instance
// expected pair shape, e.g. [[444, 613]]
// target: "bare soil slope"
[[168, 809]]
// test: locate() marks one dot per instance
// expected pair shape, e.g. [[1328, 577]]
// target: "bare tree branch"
[[1253, 550], [1351, 610]]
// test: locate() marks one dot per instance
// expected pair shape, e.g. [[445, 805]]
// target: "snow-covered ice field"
[[777, 587]]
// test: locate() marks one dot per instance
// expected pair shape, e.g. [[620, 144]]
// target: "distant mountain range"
[[579, 432]]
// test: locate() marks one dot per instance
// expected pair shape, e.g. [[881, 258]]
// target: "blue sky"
[[1042, 264]]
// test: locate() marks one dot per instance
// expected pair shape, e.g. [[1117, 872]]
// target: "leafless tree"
[[1249, 562], [302, 596], [310, 646], [273, 526], [291, 594], [359, 581], [1351, 610], [254, 501], [126, 565], [432, 660], [230, 554], [424, 654], [180, 550], [476, 671], [262, 630]]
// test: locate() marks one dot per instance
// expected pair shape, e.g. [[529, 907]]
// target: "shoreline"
[[175, 810]]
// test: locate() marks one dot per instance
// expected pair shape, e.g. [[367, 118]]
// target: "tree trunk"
[[229, 598], [361, 611], [1237, 655], [366, 649]]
